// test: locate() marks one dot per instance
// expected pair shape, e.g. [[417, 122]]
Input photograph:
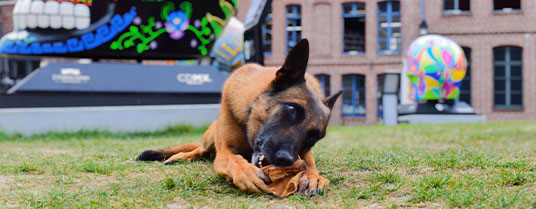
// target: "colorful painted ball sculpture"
[[436, 66]]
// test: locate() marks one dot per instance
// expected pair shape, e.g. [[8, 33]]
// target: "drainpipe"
[[423, 28]]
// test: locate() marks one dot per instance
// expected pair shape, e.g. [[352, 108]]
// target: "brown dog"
[[271, 116]]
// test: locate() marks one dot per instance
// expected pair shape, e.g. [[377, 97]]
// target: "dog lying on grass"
[[268, 116]]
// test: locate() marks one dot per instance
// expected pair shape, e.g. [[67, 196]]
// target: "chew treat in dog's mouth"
[[285, 180], [259, 160]]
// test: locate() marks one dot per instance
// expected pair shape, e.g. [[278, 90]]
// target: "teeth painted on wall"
[[16, 10], [66, 12], [52, 9], [51, 14], [23, 11], [36, 9], [82, 16]]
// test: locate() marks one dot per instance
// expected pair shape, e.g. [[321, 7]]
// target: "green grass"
[[489, 165]]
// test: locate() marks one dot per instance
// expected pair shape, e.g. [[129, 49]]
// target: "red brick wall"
[[6, 18]]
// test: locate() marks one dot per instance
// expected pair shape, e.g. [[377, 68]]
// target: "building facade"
[[6, 16], [353, 42]]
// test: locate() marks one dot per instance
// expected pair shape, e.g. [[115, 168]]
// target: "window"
[[294, 27], [20, 68], [324, 82], [353, 15], [506, 5], [389, 27], [379, 93], [353, 98], [507, 77], [267, 35], [456, 6], [465, 90], [1, 29]]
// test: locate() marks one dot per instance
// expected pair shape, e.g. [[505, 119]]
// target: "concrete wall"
[[29, 121]]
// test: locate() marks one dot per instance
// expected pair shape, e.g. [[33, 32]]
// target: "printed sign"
[[70, 75], [194, 78]]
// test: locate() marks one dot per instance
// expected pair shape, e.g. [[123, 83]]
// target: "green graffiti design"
[[216, 25], [203, 35], [139, 38], [166, 9], [235, 3], [187, 8], [210, 25]]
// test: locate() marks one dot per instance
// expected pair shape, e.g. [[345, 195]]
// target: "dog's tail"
[[163, 154]]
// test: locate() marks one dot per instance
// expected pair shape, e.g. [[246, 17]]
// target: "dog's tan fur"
[[243, 112]]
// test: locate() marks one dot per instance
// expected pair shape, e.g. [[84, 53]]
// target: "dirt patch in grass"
[[5, 181], [177, 203]]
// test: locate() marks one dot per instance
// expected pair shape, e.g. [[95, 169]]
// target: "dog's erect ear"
[[330, 101], [293, 71]]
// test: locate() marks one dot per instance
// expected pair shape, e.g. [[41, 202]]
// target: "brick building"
[[353, 42], [6, 16]]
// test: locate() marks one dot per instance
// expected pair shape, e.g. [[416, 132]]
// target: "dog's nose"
[[283, 158]]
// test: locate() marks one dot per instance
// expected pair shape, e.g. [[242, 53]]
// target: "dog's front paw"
[[251, 179], [312, 184]]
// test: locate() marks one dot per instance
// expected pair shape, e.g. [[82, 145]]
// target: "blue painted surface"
[[86, 41]]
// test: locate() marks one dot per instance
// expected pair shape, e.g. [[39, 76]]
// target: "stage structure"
[[118, 29]]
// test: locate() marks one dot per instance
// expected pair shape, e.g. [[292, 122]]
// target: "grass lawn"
[[490, 165]]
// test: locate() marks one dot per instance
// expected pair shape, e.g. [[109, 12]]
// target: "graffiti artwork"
[[228, 51], [436, 66], [132, 29]]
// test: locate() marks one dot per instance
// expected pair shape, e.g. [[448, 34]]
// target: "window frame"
[[264, 30], [456, 9], [389, 14], [354, 90], [295, 16], [28, 65], [467, 76], [379, 93], [505, 10], [507, 63], [322, 78], [356, 15]]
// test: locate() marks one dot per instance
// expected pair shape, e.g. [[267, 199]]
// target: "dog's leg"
[[162, 154], [311, 183], [205, 149], [193, 155], [230, 165], [244, 175]]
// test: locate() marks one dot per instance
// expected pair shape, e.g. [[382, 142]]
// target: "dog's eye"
[[292, 110]]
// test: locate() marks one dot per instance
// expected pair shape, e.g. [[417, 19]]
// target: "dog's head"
[[291, 117]]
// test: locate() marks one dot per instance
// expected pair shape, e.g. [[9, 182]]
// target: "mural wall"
[[228, 51], [132, 29]]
